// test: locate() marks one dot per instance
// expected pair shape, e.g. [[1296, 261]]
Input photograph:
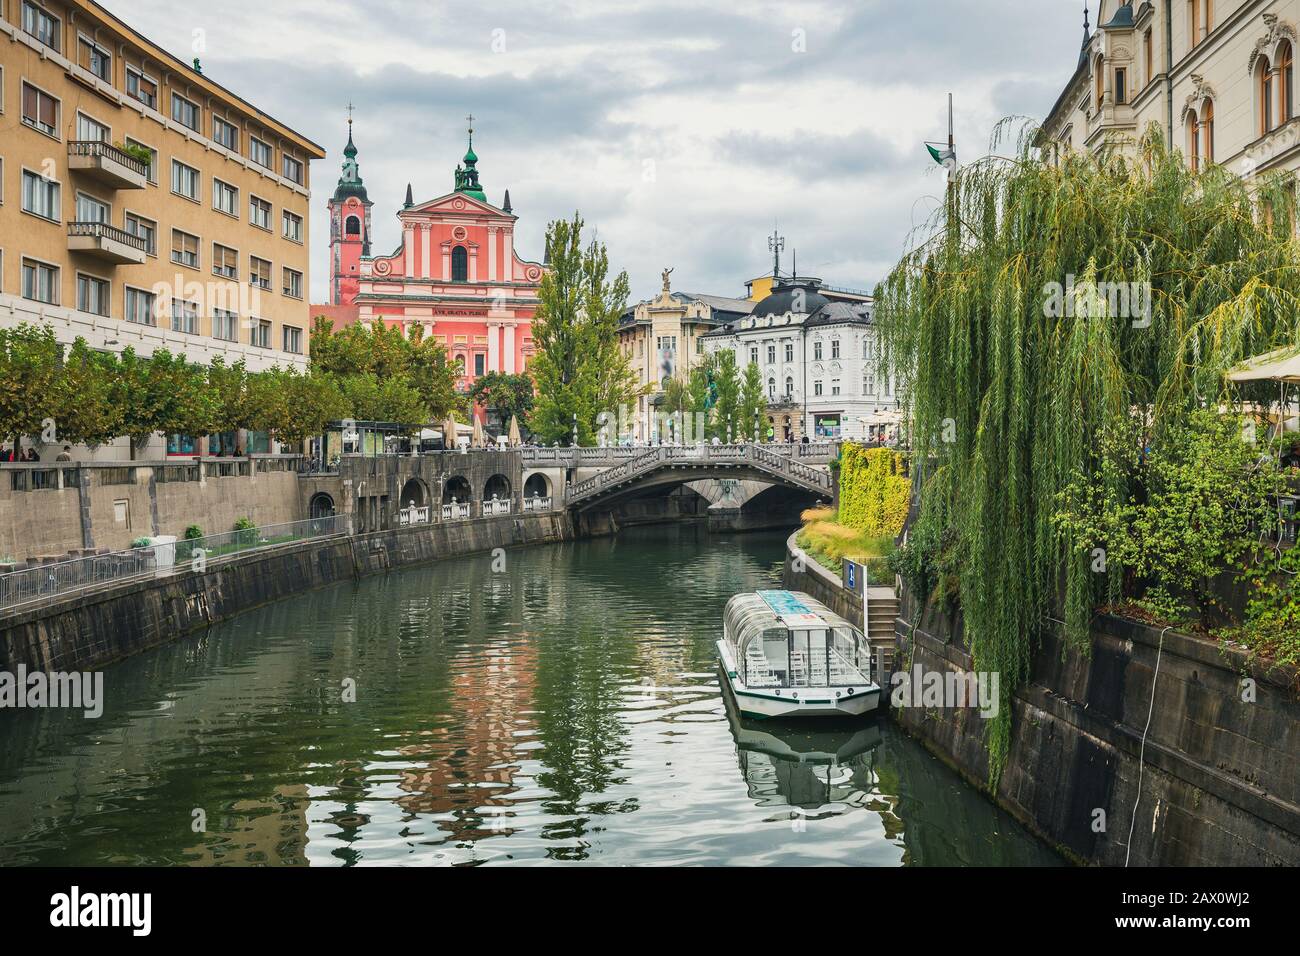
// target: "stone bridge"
[[676, 465], [602, 486]]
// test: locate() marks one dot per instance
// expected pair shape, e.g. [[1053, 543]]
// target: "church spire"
[[350, 183], [410, 197], [506, 207], [467, 176]]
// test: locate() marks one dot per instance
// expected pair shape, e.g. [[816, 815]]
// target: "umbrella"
[[477, 440], [514, 430], [449, 432], [1280, 366]]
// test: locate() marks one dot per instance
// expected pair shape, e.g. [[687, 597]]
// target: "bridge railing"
[[572, 457], [772, 459]]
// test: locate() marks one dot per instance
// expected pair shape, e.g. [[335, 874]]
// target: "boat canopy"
[[788, 639]]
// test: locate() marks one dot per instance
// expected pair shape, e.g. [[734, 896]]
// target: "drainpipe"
[[1169, 68]]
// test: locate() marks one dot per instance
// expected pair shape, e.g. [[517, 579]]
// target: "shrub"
[[874, 493], [139, 543], [193, 532]]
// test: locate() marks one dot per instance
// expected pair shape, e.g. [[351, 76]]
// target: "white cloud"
[[742, 129]]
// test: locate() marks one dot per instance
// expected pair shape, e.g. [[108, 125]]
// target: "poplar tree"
[[579, 369]]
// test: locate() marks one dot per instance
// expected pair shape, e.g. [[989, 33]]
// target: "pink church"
[[456, 274]]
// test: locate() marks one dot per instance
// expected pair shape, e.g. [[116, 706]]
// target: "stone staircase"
[[882, 610]]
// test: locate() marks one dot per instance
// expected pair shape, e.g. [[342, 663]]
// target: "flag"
[[946, 158]]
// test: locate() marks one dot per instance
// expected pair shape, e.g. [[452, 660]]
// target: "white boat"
[[785, 654]]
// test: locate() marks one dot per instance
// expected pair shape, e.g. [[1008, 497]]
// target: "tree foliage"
[[1010, 395], [580, 371]]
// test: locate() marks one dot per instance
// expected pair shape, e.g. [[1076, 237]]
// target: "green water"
[[564, 708]]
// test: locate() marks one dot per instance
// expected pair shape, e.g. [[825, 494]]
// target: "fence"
[[53, 579]]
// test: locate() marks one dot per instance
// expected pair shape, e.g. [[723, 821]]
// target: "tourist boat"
[[785, 654]]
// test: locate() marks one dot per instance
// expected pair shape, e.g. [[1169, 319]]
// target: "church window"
[[459, 265]]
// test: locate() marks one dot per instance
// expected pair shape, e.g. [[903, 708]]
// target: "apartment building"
[[1216, 76], [141, 203]]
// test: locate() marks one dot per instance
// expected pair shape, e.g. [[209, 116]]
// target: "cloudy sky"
[[682, 131]]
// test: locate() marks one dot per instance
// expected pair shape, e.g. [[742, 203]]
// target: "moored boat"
[[785, 654]]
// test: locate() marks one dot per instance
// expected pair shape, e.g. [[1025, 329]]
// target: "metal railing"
[[47, 579]]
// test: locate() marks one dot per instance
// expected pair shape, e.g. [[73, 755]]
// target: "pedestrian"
[[66, 454], [6, 454], [32, 454]]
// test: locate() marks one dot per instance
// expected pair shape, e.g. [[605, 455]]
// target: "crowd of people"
[[30, 454]]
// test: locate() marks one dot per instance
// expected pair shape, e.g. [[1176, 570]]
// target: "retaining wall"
[[93, 628]]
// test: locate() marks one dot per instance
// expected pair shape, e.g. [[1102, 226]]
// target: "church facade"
[[455, 276]]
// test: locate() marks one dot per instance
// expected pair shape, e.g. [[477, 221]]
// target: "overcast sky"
[[682, 131]]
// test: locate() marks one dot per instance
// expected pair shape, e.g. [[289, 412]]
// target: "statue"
[[667, 285]]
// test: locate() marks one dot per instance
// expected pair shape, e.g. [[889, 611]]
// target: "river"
[[559, 703]]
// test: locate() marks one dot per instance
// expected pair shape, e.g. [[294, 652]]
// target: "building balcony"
[[107, 164], [106, 242]]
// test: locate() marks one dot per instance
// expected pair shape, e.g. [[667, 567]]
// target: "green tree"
[[505, 395], [580, 371], [29, 381], [1015, 378], [88, 410], [164, 393], [753, 405], [730, 422]]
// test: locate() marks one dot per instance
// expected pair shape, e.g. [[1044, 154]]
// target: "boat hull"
[[803, 702]]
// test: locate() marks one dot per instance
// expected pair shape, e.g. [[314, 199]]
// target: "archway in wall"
[[498, 486], [413, 494], [458, 488], [537, 486], [321, 505]]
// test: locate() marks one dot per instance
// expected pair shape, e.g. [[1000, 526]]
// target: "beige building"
[[1217, 77], [141, 203], [662, 339]]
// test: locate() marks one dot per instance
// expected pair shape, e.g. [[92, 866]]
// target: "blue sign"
[[851, 570]]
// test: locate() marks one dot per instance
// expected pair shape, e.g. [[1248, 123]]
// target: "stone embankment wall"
[[1219, 771], [90, 629]]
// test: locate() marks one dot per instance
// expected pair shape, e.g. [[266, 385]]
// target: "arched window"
[[1099, 79], [789, 387], [459, 265], [1207, 131], [771, 388], [1193, 140], [353, 226], [1264, 91], [1286, 80]]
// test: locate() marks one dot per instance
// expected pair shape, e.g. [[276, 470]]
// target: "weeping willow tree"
[[1016, 372]]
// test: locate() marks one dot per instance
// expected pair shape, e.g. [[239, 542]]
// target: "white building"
[[819, 361], [1217, 77]]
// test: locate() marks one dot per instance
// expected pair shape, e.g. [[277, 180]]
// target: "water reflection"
[[568, 709]]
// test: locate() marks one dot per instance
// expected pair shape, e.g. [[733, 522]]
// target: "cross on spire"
[[350, 109]]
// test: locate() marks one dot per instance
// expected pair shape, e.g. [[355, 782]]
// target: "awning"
[[1280, 366]]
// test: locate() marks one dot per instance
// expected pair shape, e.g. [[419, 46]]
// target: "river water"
[[564, 707]]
